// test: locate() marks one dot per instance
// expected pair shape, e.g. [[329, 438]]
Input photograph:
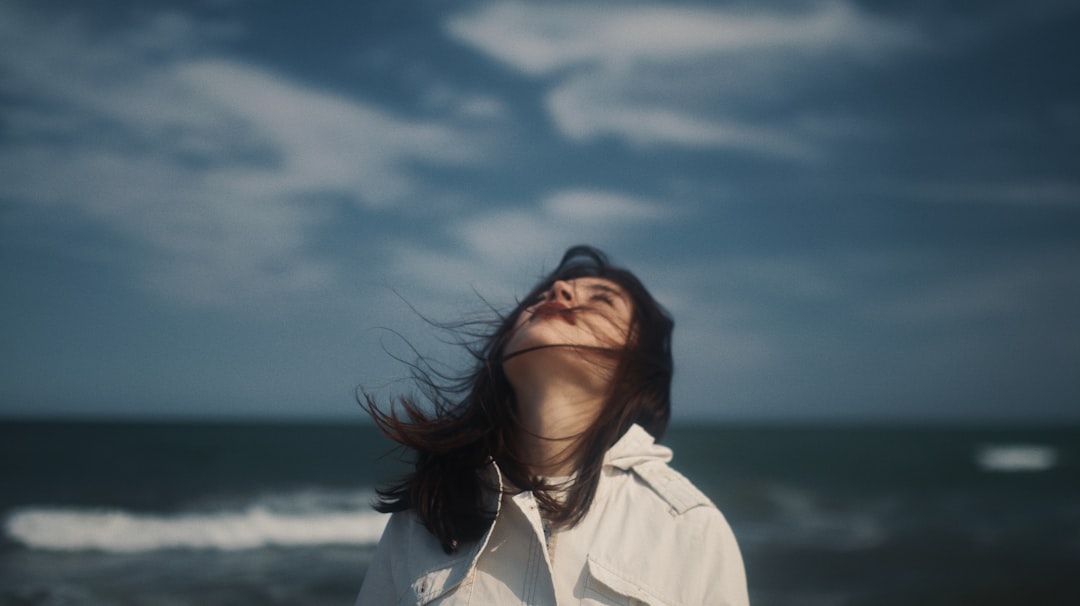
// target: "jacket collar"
[[637, 446]]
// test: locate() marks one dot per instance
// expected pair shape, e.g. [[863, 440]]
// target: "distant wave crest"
[[1016, 457], [281, 521]]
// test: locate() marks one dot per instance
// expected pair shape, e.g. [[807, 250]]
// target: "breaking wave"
[[297, 520]]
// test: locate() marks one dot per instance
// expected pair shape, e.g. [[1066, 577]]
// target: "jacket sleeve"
[[727, 581], [379, 584]]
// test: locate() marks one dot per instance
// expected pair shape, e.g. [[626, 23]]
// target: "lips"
[[555, 309]]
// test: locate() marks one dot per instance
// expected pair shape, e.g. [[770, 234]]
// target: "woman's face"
[[581, 312]]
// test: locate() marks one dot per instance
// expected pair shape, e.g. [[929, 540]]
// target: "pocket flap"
[[623, 584]]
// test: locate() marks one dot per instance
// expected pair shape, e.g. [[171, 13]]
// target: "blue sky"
[[227, 208]]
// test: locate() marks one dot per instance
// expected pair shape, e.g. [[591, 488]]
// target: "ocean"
[[279, 513]]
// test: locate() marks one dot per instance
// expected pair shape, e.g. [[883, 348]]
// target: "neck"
[[554, 412], [560, 392]]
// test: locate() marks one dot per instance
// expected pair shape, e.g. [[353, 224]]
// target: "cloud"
[[478, 109], [494, 251], [576, 109], [220, 170], [1037, 192], [601, 206], [679, 76], [562, 219], [323, 142], [540, 38]]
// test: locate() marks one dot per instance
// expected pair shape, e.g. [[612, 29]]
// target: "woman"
[[537, 480]]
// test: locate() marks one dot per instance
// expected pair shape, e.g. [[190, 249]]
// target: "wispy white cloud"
[[584, 110], [539, 38], [324, 142], [602, 206], [497, 250], [477, 108], [678, 75], [215, 165], [1030, 192], [563, 218], [507, 235]]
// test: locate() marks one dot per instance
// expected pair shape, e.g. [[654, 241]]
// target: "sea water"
[[279, 513]]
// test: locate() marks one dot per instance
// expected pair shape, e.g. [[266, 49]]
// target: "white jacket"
[[650, 537]]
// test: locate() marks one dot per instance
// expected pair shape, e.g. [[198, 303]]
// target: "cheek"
[[611, 331]]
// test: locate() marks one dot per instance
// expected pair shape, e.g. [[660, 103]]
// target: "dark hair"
[[474, 419]]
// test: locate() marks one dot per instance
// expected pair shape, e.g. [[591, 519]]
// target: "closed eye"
[[605, 294]]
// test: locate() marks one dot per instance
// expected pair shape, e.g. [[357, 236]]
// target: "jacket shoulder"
[[656, 510], [671, 486]]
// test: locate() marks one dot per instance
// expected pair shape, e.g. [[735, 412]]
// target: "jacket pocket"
[[605, 585]]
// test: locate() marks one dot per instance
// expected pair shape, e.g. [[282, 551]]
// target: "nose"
[[561, 290]]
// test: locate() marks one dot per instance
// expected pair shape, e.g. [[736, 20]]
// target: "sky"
[[863, 211]]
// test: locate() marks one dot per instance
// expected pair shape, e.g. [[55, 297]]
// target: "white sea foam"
[[1016, 457], [281, 521]]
